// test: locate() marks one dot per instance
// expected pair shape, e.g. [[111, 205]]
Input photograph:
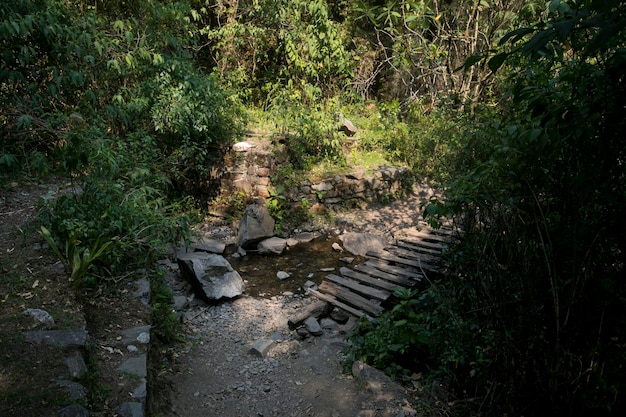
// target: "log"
[[341, 305], [316, 309]]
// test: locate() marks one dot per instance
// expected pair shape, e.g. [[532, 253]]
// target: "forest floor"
[[212, 372]]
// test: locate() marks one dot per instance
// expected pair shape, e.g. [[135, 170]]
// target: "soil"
[[211, 372]]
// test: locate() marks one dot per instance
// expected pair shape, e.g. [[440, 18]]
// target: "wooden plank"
[[377, 282], [386, 256], [428, 236], [390, 274], [316, 309], [358, 287], [412, 274], [423, 243], [350, 297], [334, 301], [416, 256], [421, 249]]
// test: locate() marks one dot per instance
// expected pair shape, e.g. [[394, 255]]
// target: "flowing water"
[[305, 261]]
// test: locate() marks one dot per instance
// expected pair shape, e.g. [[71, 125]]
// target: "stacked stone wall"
[[249, 170]]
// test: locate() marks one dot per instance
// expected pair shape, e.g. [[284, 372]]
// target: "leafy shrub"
[[136, 220]]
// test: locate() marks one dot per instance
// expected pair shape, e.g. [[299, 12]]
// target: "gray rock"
[[305, 237], [256, 224], [130, 409], [73, 410], [282, 275], [261, 348], [322, 186], [139, 334], [347, 259], [64, 338], [241, 146], [211, 275], [347, 127], [328, 324], [313, 326], [360, 243], [292, 242], [76, 366], [143, 290], [309, 285], [141, 391], [209, 245], [376, 382], [75, 390], [135, 366], [40, 317], [339, 316], [180, 302], [273, 245]]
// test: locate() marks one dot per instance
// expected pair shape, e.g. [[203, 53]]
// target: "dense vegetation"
[[515, 108]]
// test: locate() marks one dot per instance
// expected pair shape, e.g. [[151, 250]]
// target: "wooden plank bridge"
[[363, 290]]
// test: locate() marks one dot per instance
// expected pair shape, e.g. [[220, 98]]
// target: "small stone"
[[327, 269], [76, 390], [309, 285], [302, 332], [347, 259], [339, 316], [130, 409], [132, 348], [135, 366], [282, 275], [261, 348], [336, 246], [65, 338], [241, 146], [40, 317], [76, 366], [288, 294], [313, 326]]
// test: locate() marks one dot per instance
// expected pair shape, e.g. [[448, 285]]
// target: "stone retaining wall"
[[248, 170]]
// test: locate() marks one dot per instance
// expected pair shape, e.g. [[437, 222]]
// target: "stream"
[[303, 262]]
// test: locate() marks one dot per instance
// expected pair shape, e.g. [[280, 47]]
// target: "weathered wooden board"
[[420, 246], [394, 274], [421, 235], [416, 256], [316, 309], [343, 306], [359, 288], [368, 279], [349, 297], [386, 256]]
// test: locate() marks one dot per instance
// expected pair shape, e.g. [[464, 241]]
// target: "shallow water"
[[303, 262]]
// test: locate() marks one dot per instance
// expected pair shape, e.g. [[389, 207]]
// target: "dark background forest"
[[515, 109]]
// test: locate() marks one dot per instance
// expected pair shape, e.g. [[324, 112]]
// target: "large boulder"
[[347, 127], [211, 275], [256, 224], [360, 243]]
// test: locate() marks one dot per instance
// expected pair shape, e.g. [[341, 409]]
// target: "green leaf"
[[496, 62], [517, 34], [469, 62]]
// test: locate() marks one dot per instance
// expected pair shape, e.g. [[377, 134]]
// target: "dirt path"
[[219, 376]]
